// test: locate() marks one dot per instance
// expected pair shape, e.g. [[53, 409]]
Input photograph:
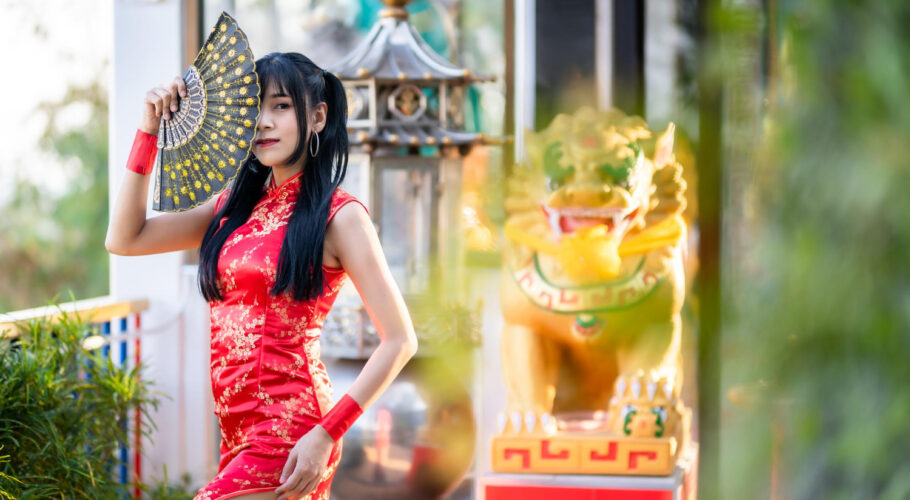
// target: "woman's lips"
[[266, 143]]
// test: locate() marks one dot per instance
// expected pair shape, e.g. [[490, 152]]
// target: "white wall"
[[148, 38]]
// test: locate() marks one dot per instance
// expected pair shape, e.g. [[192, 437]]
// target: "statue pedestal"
[[679, 484], [583, 453]]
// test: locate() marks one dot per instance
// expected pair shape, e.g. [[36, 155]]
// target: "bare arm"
[[129, 232], [353, 239]]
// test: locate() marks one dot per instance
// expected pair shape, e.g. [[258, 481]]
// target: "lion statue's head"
[[589, 181]]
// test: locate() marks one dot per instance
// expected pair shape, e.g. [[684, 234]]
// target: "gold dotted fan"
[[203, 145]]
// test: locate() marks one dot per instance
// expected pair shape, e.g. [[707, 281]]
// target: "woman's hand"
[[161, 100], [306, 464]]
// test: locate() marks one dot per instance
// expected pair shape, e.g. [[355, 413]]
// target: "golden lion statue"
[[593, 279]]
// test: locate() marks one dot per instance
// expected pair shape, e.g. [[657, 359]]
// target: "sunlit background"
[[792, 119], [54, 156]]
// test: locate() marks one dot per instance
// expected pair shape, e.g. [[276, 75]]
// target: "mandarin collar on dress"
[[289, 184]]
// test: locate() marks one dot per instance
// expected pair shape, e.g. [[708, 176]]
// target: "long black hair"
[[300, 262]]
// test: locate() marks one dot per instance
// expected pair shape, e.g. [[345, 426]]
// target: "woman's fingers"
[[291, 487], [174, 90], [301, 482], [181, 86], [290, 477], [288, 468], [154, 100], [309, 486], [162, 102], [165, 98]]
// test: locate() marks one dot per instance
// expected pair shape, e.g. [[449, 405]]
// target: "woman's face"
[[277, 133]]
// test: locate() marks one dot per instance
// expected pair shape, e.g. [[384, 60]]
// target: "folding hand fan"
[[203, 145]]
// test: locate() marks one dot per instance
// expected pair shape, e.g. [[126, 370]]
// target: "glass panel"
[[405, 225]]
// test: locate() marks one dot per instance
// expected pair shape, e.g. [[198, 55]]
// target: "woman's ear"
[[320, 115]]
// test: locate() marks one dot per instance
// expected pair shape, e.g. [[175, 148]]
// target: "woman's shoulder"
[[340, 198], [347, 230]]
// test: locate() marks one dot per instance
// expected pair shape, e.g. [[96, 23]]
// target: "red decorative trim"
[[525, 456], [610, 456], [567, 297], [546, 453], [526, 279], [633, 457]]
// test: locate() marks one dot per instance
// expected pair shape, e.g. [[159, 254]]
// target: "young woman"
[[274, 250]]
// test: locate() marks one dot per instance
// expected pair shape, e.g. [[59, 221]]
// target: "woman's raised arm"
[[129, 232]]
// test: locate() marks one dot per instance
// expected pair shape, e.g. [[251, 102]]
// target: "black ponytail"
[[300, 261]]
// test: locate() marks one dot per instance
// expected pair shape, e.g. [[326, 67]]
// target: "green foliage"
[[821, 302], [62, 431], [52, 243], [162, 489]]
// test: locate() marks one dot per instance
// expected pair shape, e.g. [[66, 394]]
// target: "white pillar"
[[148, 38], [663, 41], [525, 72], [603, 52]]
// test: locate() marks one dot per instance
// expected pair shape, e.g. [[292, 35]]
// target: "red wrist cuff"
[[341, 417], [142, 156]]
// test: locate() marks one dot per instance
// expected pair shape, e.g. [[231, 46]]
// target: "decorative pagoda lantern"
[[406, 126], [407, 134]]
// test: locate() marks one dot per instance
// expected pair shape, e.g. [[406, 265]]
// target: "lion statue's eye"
[[554, 184], [619, 174], [556, 173]]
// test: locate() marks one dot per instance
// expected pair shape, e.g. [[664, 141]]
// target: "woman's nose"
[[265, 122]]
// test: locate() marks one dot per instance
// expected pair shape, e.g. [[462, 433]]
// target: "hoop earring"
[[314, 153]]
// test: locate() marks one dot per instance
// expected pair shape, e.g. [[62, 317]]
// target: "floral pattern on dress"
[[268, 383]]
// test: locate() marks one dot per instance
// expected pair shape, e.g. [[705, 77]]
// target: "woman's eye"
[[282, 105]]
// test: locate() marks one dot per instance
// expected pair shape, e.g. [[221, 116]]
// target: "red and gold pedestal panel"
[[574, 482], [584, 454]]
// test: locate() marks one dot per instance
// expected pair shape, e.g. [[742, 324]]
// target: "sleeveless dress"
[[268, 382]]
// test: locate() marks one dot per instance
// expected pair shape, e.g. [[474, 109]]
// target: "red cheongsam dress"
[[268, 382]]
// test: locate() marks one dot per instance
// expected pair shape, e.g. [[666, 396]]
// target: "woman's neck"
[[283, 173]]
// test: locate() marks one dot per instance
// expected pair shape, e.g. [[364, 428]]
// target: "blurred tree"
[[52, 243], [819, 304]]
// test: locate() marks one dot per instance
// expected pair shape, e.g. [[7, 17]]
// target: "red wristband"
[[341, 417], [142, 156]]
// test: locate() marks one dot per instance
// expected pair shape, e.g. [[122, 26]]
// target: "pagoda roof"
[[418, 135], [394, 50]]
